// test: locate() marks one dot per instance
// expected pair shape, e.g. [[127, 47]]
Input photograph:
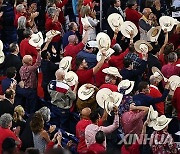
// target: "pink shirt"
[[170, 69], [92, 129]]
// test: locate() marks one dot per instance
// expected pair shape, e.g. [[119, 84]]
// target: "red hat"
[[88, 2]]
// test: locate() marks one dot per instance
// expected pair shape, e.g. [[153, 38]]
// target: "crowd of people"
[[113, 89]]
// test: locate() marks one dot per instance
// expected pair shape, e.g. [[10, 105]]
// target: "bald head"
[[60, 74], [72, 39], [85, 112], [27, 59]]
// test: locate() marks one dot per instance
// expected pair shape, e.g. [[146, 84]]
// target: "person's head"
[[100, 137], [9, 146], [85, 11], [73, 26], [81, 63], [143, 87], [132, 4], [14, 48], [60, 74], [146, 12], [27, 59], [6, 121], [117, 48], [21, 22], [172, 57], [11, 72], [85, 113], [157, 3], [154, 80], [45, 55], [27, 33], [128, 63], [32, 151], [18, 113], [32, 6], [115, 3], [73, 39], [132, 48], [51, 12], [169, 47], [10, 93], [37, 123], [89, 49], [45, 112], [21, 9], [94, 117], [110, 79]]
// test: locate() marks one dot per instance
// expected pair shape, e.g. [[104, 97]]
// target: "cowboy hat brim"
[[103, 36], [74, 80], [109, 52], [129, 89], [139, 42], [158, 127], [82, 96], [153, 33], [155, 69], [39, 43], [65, 59], [51, 34], [163, 20]]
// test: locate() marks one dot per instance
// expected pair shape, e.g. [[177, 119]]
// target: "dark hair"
[[11, 72], [79, 61], [127, 62], [142, 85], [32, 151], [37, 123], [168, 48], [12, 47], [27, 32], [100, 137], [131, 3], [112, 2], [71, 25], [156, 48], [94, 116], [172, 57], [9, 92], [44, 54], [9, 145]]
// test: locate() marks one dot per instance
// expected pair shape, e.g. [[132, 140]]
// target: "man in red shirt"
[[73, 48], [154, 92], [86, 75]]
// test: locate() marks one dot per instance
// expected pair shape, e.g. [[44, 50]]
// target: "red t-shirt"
[[154, 92], [27, 49], [85, 76], [53, 26], [100, 76], [112, 87], [4, 133], [72, 50], [133, 16], [133, 149], [96, 148], [80, 134]]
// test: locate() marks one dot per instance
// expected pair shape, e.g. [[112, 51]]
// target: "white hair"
[[21, 22], [19, 7]]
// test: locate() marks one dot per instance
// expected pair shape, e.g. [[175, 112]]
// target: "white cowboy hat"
[[109, 52], [51, 33], [2, 56], [142, 46], [161, 123], [125, 86], [85, 93], [36, 40], [92, 44], [152, 116], [153, 33], [157, 73], [176, 22], [112, 71], [115, 21], [71, 78], [85, 21], [103, 41], [166, 22], [174, 82], [178, 65], [127, 27], [65, 63]]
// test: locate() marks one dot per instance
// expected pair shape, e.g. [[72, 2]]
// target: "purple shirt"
[[170, 69]]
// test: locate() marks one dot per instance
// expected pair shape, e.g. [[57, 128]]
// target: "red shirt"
[[50, 25], [96, 149], [174, 39], [4, 133], [176, 101], [112, 87], [80, 134], [72, 50], [27, 49], [133, 149], [100, 76], [154, 92], [117, 61], [61, 14], [85, 76], [133, 16]]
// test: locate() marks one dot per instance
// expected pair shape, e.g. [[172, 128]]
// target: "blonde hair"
[[18, 113], [85, 10]]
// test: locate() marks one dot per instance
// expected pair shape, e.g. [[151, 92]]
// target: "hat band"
[[39, 38], [163, 123], [122, 90], [69, 79]]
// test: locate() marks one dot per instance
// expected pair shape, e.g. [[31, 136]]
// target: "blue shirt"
[[89, 57], [6, 84], [65, 38]]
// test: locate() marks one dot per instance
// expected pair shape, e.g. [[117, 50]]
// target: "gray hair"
[[19, 7], [45, 112], [172, 57], [5, 120], [21, 22], [51, 11]]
